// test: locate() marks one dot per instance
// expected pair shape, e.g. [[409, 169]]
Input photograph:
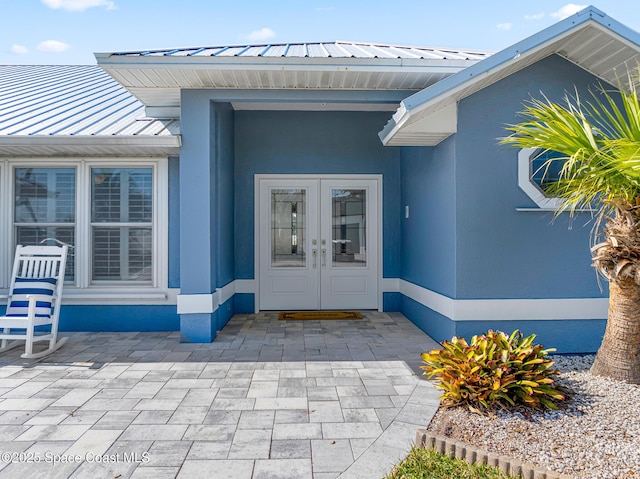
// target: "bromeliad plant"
[[495, 369]]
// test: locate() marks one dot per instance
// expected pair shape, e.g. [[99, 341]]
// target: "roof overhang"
[[590, 39], [21, 146], [157, 80]]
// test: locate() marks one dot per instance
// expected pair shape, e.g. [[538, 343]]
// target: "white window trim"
[[531, 189], [5, 270], [82, 291]]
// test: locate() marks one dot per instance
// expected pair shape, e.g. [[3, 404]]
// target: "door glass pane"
[[349, 227], [288, 228]]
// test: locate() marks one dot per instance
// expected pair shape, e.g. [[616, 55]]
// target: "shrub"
[[495, 369]]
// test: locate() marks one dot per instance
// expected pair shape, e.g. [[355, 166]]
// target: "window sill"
[[112, 296], [553, 210]]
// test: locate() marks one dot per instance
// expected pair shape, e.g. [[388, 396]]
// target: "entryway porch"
[[268, 398]]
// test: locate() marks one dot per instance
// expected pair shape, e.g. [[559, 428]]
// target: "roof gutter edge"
[[174, 141]]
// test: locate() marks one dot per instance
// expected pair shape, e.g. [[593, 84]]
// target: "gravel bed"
[[595, 435]]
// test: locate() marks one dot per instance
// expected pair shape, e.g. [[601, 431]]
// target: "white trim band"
[[197, 303], [208, 303], [454, 309], [506, 309]]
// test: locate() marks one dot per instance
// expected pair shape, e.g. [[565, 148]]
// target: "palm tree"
[[599, 145]]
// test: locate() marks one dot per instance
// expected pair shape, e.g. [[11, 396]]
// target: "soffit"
[[156, 77], [591, 45]]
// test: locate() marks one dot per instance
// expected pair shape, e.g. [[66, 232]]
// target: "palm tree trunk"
[[619, 353]]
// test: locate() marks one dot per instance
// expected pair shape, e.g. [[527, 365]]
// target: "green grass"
[[424, 463]]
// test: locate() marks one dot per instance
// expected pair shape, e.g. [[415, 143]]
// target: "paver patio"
[[266, 399]]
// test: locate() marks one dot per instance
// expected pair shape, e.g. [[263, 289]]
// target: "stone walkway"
[[266, 399]]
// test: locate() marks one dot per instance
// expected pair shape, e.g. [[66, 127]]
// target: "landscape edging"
[[473, 455]]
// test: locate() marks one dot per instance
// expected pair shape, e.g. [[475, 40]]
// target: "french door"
[[318, 243]]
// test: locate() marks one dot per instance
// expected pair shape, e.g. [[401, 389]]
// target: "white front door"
[[318, 243]]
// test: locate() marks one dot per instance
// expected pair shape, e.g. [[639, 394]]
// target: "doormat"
[[300, 315]]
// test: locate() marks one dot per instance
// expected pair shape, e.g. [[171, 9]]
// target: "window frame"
[[94, 225], [83, 288], [530, 187]]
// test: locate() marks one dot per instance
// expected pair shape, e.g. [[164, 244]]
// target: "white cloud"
[[19, 49], [568, 10], [503, 26], [261, 35], [79, 5], [53, 46], [535, 16]]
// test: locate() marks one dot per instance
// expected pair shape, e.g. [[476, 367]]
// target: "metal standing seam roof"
[[157, 76], [335, 49], [58, 100], [62, 110]]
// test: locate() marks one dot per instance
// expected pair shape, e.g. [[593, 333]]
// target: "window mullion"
[[124, 231], [83, 208], [6, 206]]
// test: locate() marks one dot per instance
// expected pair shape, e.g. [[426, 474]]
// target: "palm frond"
[[599, 143]]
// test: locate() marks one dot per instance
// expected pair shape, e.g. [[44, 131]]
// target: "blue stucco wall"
[[174, 223], [300, 142], [567, 336], [467, 241], [118, 318], [503, 253], [436, 325], [224, 154], [429, 234], [198, 196], [206, 208]]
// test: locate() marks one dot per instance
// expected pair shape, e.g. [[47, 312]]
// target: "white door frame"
[[256, 223]]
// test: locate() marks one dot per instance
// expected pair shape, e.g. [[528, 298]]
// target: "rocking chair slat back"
[[28, 306]]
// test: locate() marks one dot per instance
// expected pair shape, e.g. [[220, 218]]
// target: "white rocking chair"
[[34, 299]]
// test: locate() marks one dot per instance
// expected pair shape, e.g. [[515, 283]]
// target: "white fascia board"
[[91, 145], [446, 91], [426, 131], [442, 121], [394, 124], [317, 106], [392, 65], [169, 141]]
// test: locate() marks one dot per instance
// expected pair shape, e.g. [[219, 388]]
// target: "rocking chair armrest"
[[33, 300], [41, 297]]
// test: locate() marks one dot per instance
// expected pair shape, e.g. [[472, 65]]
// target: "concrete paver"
[[266, 399]]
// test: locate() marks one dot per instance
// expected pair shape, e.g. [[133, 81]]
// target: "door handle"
[[324, 258], [314, 253]]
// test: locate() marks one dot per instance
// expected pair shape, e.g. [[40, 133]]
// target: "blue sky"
[[69, 31]]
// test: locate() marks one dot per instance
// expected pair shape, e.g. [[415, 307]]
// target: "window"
[[121, 224], [542, 173], [109, 211], [532, 176], [45, 207]]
